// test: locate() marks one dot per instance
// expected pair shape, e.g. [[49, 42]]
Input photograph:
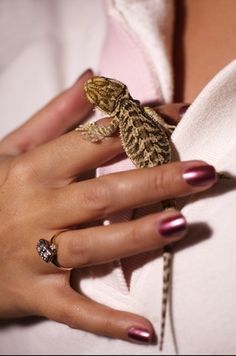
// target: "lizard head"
[[106, 93]]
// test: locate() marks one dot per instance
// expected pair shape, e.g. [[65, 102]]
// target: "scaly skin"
[[145, 138]]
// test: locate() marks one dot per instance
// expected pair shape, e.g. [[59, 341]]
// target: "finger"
[[78, 312], [172, 113], [70, 155], [100, 197], [65, 161], [54, 119], [98, 245]]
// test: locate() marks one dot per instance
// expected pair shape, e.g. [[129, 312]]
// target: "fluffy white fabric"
[[152, 22]]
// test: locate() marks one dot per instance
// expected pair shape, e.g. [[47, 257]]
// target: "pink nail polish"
[[139, 334], [172, 226], [183, 109], [199, 176], [86, 72]]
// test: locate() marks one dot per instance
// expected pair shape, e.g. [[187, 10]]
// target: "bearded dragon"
[[145, 138]]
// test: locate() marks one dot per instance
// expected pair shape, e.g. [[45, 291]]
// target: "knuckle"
[[21, 170], [98, 197], [109, 324], [71, 318], [163, 182], [61, 109], [143, 235], [72, 322], [81, 250], [159, 183], [136, 235]]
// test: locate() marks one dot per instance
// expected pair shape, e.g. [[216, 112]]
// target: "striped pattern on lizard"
[[145, 138]]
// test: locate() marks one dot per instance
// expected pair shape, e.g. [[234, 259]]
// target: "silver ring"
[[47, 250]]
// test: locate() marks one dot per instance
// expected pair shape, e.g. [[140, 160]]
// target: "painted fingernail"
[[183, 109], [200, 176], [172, 226], [86, 72], [140, 335]]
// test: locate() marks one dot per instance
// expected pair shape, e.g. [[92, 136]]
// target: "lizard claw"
[[89, 132]]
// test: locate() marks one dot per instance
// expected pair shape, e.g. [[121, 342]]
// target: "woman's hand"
[[41, 195]]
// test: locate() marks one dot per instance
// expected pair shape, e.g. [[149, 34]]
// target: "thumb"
[[57, 117]]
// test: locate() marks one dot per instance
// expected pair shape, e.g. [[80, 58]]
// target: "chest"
[[204, 43]]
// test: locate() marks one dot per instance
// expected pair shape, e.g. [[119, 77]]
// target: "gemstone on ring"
[[46, 250]]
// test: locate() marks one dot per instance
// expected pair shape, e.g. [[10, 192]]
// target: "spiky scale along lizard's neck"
[[117, 108], [125, 107]]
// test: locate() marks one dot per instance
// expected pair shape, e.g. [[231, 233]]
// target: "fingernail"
[[86, 72], [139, 334], [200, 176], [173, 225], [183, 109]]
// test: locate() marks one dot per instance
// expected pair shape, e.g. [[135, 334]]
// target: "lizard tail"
[[167, 259]]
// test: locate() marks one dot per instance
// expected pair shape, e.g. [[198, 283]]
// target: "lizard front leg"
[[95, 133]]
